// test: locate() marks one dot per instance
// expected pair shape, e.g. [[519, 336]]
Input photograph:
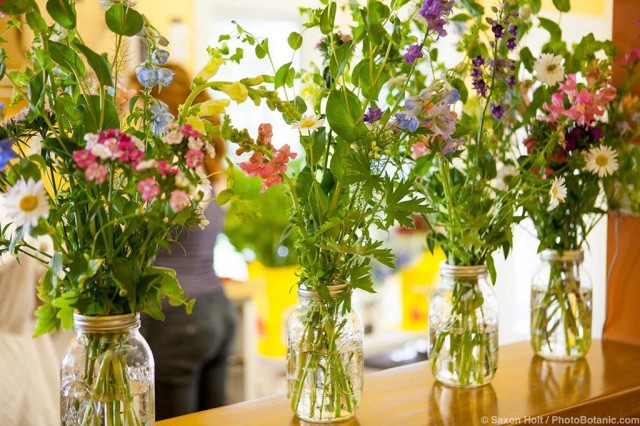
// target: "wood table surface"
[[526, 390]]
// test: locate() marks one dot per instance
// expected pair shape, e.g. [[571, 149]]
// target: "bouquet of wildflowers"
[[456, 156], [108, 187], [352, 180], [565, 102]]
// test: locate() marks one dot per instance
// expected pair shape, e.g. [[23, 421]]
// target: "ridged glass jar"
[[561, 306], [107, 375], [463, 327], [324, 358]]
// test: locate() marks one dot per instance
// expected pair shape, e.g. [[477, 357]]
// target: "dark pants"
[[190, 353]]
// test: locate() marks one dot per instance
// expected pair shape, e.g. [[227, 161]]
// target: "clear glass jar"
[[463, 327], [324, 358], [107, 375], [561, 306]]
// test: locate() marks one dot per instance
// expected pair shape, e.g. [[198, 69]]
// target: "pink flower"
[[265, 133], [419, 149], [166, 169], [194, 158], [148, 188], [269, 170], [569, 86], [188, 131], [179, 200], [84, 158], [96, 172]]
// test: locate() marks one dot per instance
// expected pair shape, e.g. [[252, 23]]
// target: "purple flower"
[[451, 98], [480, 86], [498, 30], [451, 146], [407, 121], [434, 12], [511, 43], [413, 52], [497, 111], [596, 134], [165, 76], [160, 56], [6, 152], [511, 81], [478, 61], [476, 72], [513, 30], [148, 77], [372, 115]]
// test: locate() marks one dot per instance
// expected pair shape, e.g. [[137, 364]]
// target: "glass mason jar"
[[107, 375], [324, 358], [463, 327], [561, 306]]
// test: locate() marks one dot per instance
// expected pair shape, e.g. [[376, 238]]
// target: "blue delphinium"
[[6, 152], [165, 76], [148, 77], [161, 118], [160, 56]]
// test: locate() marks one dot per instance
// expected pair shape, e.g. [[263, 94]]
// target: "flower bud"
[[160, 56], [212, 106]]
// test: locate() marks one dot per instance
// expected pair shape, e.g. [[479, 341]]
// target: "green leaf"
[[123, 20], [562, 5], [327, 18], [459, 85], [554, 30], [225, 196], [63, 13], [36, 92], [67, 58], [343, 113], [281, 75], [527, 59], [338, 158], [536, 5], [98, 63], [295, 40], [340, 60], [91, 108], [36, 22], [47, 320]]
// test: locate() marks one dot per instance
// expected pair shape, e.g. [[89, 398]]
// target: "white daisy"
[[26, 202], [504, 177], [549, 68], [558, 193], [309, 122], [602, 161]]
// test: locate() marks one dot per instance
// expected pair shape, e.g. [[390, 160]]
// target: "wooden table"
[[525, 390]]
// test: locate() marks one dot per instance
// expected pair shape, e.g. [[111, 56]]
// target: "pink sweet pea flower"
[[179, 200], [148, 189], [419, 149], [569, 86], [265, 133]]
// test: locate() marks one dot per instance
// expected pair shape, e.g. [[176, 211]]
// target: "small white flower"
[[138, 143], [101, 151], [210, 150], [602, 161], [174, 137], [397, 81], [205, 183], [146, 164], [504, 177], [182, 181], [91, 139], [309, 122], [26, 202], [558, 193], [549, 68], [35, 144], [195, 143]]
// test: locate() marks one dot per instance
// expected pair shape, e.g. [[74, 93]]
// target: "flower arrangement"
[[352, 179], [107, 186], [565, 125], [456, 155]]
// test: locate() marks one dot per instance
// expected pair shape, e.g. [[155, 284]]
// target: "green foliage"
[[259, 221]]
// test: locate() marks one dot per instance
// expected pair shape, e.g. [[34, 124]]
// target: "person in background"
[[191, 351]]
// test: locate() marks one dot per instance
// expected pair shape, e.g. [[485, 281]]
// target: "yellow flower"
[[213, 106], [236, 91], [208, 71], [196, 123]]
